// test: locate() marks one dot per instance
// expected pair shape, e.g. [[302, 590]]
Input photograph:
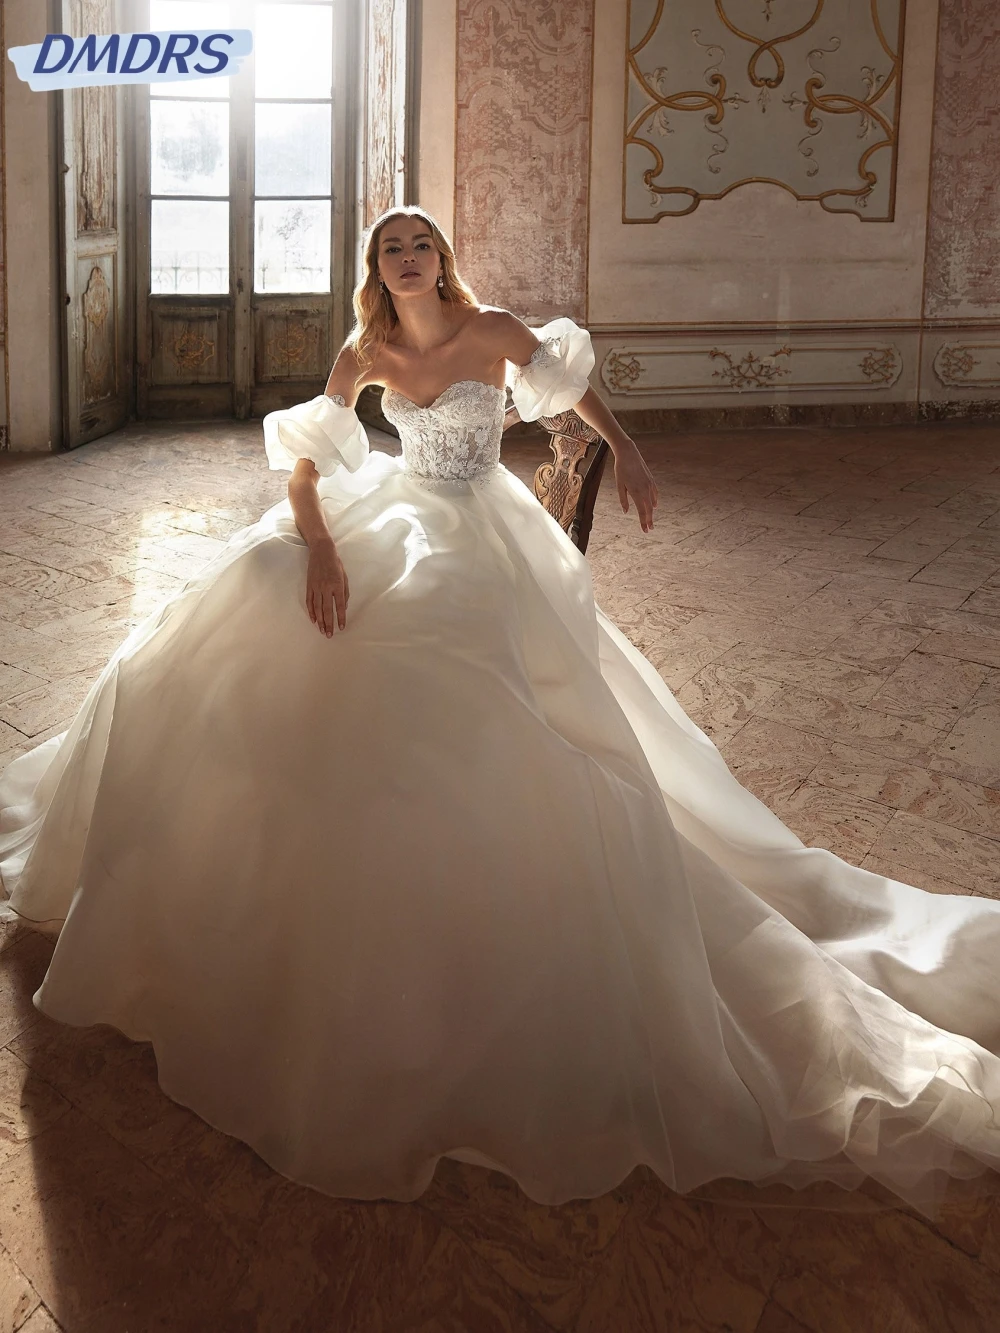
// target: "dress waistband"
[[432, 482]]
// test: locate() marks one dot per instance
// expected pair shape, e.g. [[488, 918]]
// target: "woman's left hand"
[[633, 478]]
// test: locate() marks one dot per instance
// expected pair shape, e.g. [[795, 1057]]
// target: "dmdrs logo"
[[62, 61]]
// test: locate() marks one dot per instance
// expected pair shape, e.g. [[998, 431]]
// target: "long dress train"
[[464, 879]]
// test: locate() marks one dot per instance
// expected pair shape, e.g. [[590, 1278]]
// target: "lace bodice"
[[455, 438], [452, 440]]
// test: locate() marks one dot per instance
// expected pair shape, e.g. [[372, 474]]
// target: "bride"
[[456, 875]]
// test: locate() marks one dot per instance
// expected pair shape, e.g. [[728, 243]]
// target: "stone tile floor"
[[825, 604]]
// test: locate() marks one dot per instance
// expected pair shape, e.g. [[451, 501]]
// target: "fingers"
[[327, 595], [644, 505], [327, 607], [339, 594], [318, 604]]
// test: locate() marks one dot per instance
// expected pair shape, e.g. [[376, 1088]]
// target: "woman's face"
[[408, 260]]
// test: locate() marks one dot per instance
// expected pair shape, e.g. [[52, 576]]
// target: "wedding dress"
[[464, 880]]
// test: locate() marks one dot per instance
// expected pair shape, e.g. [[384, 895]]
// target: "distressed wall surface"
[[522, 150], [961, 347], [963, 242]]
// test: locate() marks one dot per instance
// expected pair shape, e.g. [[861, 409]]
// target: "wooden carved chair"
[[567, 487]]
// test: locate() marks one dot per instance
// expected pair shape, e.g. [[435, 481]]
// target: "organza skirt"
[[464, 880]]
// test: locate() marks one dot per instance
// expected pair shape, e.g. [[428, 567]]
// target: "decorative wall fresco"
[[803, 95], [969, 365], [963, 237], [801, 365], [522, 149]]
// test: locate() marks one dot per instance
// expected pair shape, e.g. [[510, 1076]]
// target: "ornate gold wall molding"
[[724, 93], [741, 367]]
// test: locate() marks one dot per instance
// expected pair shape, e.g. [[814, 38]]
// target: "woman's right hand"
[[327, 589]]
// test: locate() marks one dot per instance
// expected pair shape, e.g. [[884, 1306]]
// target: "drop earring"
[[440, 280]]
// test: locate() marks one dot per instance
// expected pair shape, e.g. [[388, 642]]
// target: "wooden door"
[[388, 169], [97, 335]]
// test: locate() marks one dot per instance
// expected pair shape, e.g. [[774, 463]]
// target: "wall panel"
[[522, 150]]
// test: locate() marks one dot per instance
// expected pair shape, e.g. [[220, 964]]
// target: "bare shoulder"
[[506, 335]]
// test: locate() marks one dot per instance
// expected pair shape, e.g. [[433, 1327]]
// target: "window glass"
[[189, 147], [189, 245], [293, 50], [292, 245], [292, 148], [177, 16]]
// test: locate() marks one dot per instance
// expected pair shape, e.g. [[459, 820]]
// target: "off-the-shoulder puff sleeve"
[[322, 429], [556, 377]]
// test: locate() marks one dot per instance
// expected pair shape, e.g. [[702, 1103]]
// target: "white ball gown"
[[464, 880]]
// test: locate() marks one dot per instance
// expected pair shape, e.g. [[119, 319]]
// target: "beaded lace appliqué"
[[455, 438], [545, 354]]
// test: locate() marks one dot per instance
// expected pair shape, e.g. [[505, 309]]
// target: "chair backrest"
[[568, 486]]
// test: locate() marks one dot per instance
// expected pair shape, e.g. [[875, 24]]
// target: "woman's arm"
[[327, 587], [632, 476]]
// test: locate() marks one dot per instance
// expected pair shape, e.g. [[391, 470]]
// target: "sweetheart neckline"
[[434, 402]]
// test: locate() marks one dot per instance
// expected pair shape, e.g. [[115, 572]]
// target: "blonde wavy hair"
[[374, 310]]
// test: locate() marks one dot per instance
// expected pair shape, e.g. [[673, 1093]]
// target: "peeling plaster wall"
[[961, 349], [522, 153], [963, 243]]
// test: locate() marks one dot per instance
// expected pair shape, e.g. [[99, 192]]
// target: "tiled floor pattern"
[[826, 604]]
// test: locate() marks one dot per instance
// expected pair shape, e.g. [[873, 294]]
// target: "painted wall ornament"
[[807, 364], [969, 365], [723, 93]]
